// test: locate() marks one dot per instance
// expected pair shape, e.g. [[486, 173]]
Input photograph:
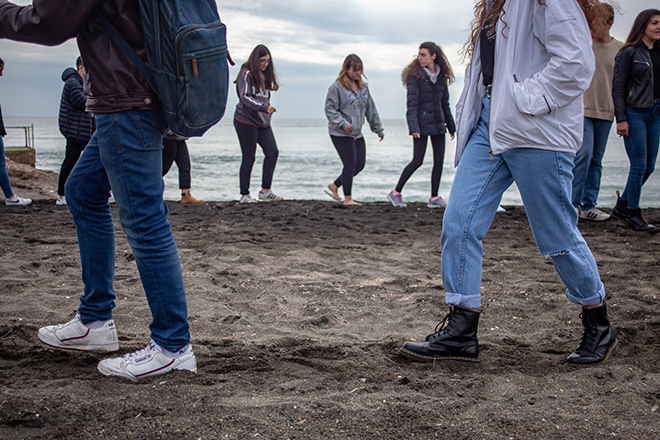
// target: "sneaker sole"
[[431, 359], [56, 343], [607, 357], [435, 206], [395, 204], [109, 372]]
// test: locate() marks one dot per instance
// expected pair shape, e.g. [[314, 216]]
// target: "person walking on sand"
[[175, 149], [598, 117], [125, 152], [255, 81], [636, 93], [427, 79], [347, 105], [11, 199], [76, 125], [520, 119]]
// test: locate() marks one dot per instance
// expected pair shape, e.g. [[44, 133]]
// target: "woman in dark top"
[[636, 93], [428, 115]]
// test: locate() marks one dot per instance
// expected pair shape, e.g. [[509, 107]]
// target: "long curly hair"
[[415, 70], [596, 15]]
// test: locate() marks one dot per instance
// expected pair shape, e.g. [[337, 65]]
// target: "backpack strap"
[[145, 70]]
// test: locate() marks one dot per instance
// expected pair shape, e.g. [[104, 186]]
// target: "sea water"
[[308, 162]]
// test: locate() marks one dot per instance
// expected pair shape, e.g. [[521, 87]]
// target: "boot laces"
[[590, 329], [442, 325]]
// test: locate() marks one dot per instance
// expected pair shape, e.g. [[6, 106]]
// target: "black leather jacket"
[[112, 83], [633, 80]]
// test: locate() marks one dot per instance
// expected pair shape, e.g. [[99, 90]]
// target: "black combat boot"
[[598, 341], [637, 222], [620, 210], [455, 338]]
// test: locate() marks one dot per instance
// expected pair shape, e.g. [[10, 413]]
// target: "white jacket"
[[543, 65]]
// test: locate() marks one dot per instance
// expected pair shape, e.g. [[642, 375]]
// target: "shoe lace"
[[446, 321], [590, 329], [131, 357]]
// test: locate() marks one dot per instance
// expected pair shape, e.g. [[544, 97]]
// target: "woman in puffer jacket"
[[636, 93], [428, 115]]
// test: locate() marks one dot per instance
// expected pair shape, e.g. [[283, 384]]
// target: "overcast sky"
[[308, 40]]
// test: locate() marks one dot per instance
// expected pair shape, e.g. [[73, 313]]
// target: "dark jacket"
[[633, 80], [252, 105], [75, 123], [428, 107], [112, 82], [3, 132]]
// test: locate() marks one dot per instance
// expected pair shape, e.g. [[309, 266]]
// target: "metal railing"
[[29, 135]]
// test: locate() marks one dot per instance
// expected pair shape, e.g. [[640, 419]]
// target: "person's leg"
[[438, 143], [247, 137], [637, 151], [4, 177], [182, 160], [360, 155], [72, 153], [601, 134], [269, 146], [419, 150], [130, 146], [652, 140], [170, 149], [582, 160], [347, 149]]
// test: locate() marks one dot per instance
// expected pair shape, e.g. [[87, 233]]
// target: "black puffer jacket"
[[633, 80], [428, 107], [3, 132], [75, 123]]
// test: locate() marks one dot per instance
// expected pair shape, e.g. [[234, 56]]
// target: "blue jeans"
[[4, 177], [642, 149], [544, 180], [589, 163], [125, 154]]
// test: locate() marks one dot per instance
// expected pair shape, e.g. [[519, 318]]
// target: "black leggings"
[[72, 154], [419, 150], [249, 136], [353, 155], [177, 151]]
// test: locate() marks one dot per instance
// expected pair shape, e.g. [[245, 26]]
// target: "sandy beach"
[[297, 310]]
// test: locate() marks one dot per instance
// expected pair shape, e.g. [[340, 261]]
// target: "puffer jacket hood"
[[75, 123], [70, 72]]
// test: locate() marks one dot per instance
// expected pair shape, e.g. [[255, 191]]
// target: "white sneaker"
[[75, 335], [111, 199], [150, 361], [594, 214], [269, 196], [17, 201], [247, 199], [61, 201], [500, 208]]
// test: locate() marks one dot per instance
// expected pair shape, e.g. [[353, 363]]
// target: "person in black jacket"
[[76, 125], [11, 199], [428, 115], [636, 93]]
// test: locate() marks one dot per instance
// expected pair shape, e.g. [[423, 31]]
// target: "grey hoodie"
[[252, 105], [344, 107]]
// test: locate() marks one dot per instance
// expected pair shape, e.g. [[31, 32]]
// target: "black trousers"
[[419, 150], [353, 153], [249, 136], [177, 151], [72, 154]]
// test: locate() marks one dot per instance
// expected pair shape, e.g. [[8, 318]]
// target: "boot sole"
[[607, 357], [431, 359]]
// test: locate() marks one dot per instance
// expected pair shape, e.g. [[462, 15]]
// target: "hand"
[[623, 129], [453, 136], [349, 129], [381, 137], [416, 135], [270, 110]]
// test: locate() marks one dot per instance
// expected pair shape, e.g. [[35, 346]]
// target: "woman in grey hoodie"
[[347, 106]]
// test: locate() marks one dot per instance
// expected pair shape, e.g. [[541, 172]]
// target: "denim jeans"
[[125, 154], [642, 149], [589, 163], [4, 177], [544, 180]]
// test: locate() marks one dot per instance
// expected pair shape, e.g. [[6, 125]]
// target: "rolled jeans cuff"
[[593, 300], [468, 301]]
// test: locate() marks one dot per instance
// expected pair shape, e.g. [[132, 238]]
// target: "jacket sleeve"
[[561, 27], [622, 64], [412, 106], [76, 94], [449, 119], [46, 22], [245, 86], [332, 105], [373, 118]]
